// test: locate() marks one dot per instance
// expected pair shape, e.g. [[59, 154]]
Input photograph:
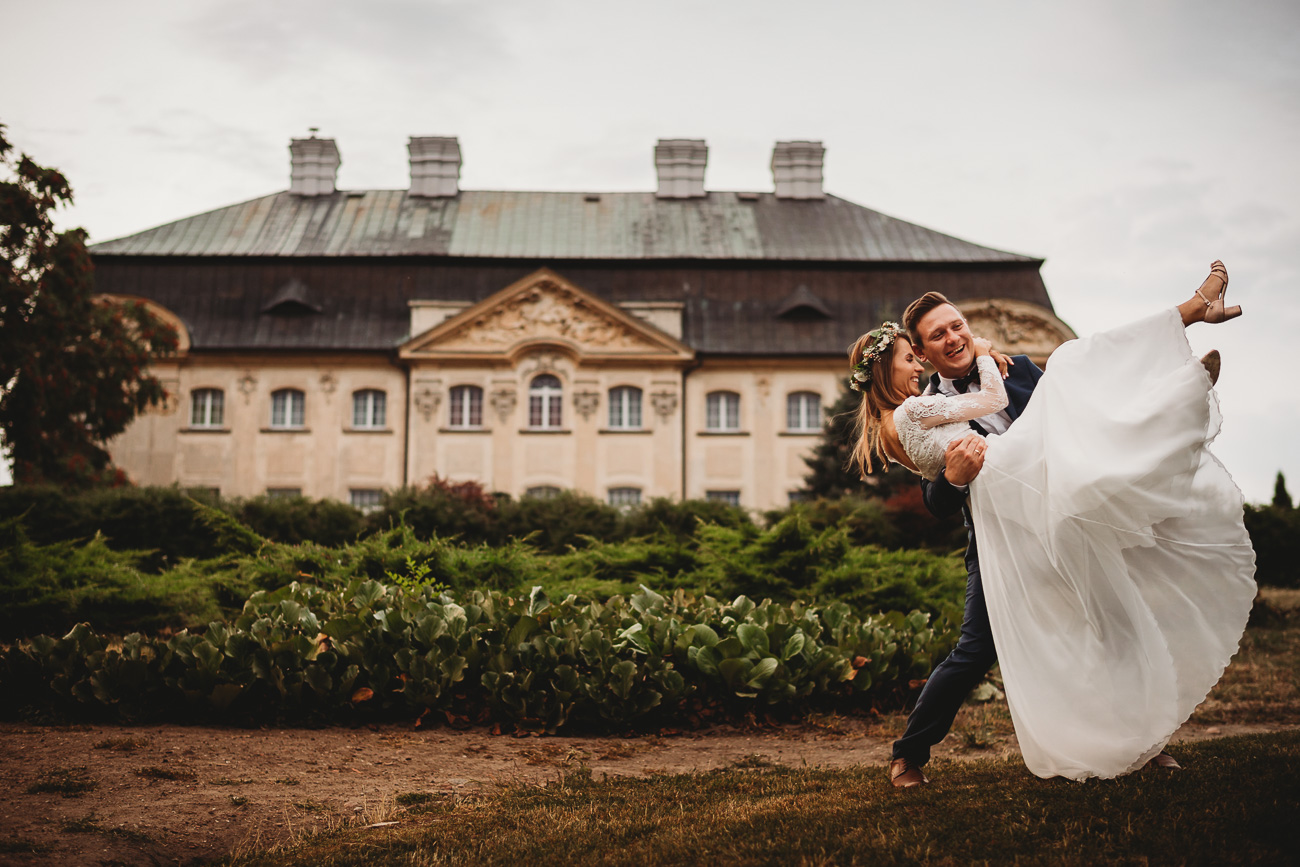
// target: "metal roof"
[[551, 225]]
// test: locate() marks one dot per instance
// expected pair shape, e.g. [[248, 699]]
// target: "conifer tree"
[[830, 476], [1281, 497]]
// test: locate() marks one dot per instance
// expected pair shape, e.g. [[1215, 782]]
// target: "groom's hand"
[[964, 459]]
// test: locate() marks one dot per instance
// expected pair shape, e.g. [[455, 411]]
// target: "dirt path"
[[186, 795]]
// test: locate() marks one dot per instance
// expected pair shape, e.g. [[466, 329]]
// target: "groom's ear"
[[916, 350]]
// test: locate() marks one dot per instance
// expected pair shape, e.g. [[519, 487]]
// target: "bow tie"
[[963, 384]]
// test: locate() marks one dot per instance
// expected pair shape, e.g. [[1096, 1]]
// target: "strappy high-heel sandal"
[[1215, 311]]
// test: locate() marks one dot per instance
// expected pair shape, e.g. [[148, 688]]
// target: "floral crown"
[[879, 340]]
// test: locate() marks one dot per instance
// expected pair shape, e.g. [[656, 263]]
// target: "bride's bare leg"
[[1194, 308]]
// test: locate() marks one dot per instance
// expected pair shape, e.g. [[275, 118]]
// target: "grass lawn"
[[1236, 802]]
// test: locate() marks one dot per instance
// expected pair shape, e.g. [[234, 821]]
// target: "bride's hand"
[[1003, 360]]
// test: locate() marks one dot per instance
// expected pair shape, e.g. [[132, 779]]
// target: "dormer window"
[[803, 305], [291, 299]]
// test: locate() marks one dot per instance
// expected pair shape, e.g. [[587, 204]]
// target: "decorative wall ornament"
[[542, 362], [665, 404], [547, 309], [328, 383], [503, 401], [171, 396], [1017, 327], [426, 400], [247, 385], [764, 386], [586, 402]]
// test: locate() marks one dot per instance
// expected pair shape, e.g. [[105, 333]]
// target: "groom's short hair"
[[916, 311]]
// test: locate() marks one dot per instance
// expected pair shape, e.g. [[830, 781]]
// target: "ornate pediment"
[[1017, 327], [545, 308]]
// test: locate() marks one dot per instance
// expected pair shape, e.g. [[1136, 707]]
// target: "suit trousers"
[[954, 678]]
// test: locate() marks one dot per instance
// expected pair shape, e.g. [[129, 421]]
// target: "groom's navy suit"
[[954, 678]]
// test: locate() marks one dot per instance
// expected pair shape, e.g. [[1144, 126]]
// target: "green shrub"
[[368, 649], [1275, 534], [293, 520]]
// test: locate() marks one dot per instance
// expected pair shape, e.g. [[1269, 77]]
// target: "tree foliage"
[[830, 476], [1281, 497], [73, 368]]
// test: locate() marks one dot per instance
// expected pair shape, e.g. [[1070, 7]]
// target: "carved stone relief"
[[503, 401], [328, 383], [542, 362], [1017, 327], [546, 310], [247, 385], [664, 403], [586, 402], [427, 397]]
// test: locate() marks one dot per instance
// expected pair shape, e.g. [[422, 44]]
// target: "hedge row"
[[375, 650]]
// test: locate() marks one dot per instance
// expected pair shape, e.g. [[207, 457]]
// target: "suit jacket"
[[941, 498]]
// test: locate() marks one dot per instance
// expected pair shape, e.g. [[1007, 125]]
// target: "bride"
[[1112, 558]]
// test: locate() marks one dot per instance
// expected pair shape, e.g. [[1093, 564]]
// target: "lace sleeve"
[[933, 410]]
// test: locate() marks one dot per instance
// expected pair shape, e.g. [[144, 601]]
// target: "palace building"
[[679, 343]]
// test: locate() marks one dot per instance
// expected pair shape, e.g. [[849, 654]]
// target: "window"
[[799, 496], [731, 498], [283, 493], [366, 499], [543, 492], [544, 402], [369, 408], [287, 408], [467, 406], [207, 407], [625, 407], [803, 410], [722, 411], [625, 496]]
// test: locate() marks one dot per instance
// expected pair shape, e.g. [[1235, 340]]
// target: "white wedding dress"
[[1117, 569]]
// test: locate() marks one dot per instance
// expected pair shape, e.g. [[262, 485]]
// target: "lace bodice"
[[927, 424]]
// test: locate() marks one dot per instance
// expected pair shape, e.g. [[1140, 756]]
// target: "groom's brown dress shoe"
[[905, 775], [1166, 761]]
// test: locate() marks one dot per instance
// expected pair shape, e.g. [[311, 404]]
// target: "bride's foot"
[[1212, 363], [1212, 292]]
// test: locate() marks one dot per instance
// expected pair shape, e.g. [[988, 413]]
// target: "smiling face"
[[905, 369], [946, 341]]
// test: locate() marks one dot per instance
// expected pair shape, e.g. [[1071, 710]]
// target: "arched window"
[[466, 406], [287, 408], [207, 407], [543, 492], [369, 408], [803, 411], [625, 496], [544, 401], [722, 411], [625, 407]]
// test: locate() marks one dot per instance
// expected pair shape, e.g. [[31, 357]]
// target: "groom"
[[940, 336]]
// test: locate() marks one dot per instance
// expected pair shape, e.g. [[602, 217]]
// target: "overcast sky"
[[1128, 143]]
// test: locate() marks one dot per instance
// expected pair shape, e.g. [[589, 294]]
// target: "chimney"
[[679, 163], [797, 169], [435, 165], [315, 164]]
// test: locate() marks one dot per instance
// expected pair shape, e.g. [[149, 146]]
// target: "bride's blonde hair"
[[878, 396]]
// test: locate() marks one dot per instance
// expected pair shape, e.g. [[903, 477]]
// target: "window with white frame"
[[544, 401], [369, 408], [207, 407], [366, 499], [803, 411], [731, 498], [543, 492], [466, 406], [722, 411], [287, 406], [625, 407], [625, 496]]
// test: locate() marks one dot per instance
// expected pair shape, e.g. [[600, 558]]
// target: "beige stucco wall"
[[244, 457], [584, 453], [764, 460]]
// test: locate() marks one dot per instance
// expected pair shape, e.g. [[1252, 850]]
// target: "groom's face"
[[946, 341]]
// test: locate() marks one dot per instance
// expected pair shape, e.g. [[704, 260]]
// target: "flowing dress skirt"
[[1116, 566]]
